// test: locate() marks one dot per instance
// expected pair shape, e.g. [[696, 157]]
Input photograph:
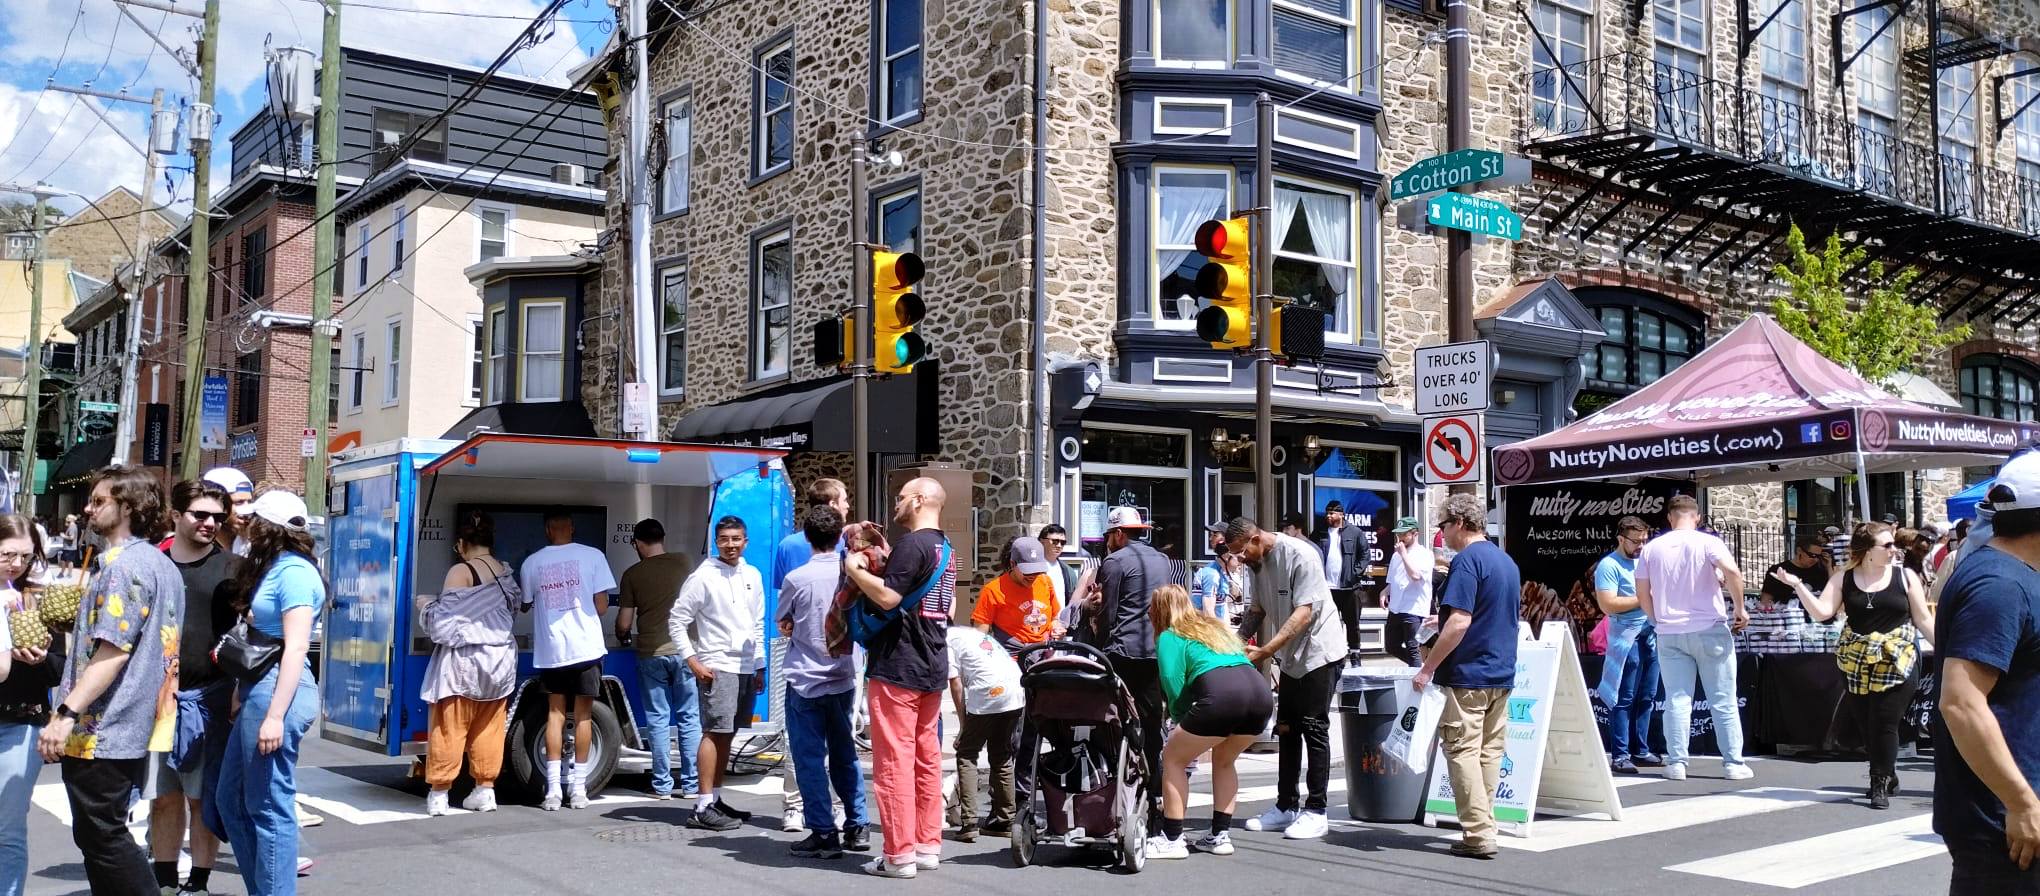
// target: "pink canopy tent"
[[1759, 406]]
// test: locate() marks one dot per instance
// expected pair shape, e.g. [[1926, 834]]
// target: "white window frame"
[[365, 241], [478, 361], [665, 390], [886, 112], [509, 215], [393, 351], [1354, 300], [878, 218], [1350, 74], [524, 310], [1569, 107], [397, 227], [1224, 105], [357, 392], [1155, 246], [757, 308], [761, 116], [1351, 127], [678, 165], [1881, 55], [497, 322], [1232, 41]]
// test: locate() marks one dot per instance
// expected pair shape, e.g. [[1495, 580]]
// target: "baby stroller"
[[1083, 783]]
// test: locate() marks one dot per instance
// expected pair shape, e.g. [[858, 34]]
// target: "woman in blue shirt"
[[258, 776]]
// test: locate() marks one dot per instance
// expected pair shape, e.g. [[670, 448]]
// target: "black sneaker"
[[1622, 765], [966, 835], [857, 838], [732, 811], [713, 819], [820, 846], [997, 829]]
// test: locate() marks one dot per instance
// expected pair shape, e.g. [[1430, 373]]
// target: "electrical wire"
[[62, 52], [352, 4]]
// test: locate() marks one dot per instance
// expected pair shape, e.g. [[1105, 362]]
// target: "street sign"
[[1474, 215], [310, 443], [1454, 378], [1452, 449], [1456, 169], [99, 407]]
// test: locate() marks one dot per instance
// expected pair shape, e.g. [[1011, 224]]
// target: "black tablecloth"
[[1793, 700]]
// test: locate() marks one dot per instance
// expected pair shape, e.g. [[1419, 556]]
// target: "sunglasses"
[[200, 516]]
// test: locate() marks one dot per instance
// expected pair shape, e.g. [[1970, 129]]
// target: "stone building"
[[1662, 182], [100, 238]]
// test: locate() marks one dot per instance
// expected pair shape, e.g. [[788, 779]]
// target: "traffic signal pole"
[[1264, 290], [860, 329], [1458, 136]]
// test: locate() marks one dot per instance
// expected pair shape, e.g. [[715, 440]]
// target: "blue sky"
[[49, 137]]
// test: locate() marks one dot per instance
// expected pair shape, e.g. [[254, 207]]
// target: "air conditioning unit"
[[568, 173]]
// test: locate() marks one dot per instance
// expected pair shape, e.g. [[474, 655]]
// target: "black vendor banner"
[[1558, 533]]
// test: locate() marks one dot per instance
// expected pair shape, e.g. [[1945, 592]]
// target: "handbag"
[[247, 652]]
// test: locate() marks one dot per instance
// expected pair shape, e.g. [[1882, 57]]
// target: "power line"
[[351, 4], [35, 106]]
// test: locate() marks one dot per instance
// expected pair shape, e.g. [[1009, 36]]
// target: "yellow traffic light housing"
[[895, 310], [1226, 281]]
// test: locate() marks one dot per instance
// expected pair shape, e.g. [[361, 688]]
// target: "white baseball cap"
[[1124, 518], [232, 480], [2018, 484], [281, 507]]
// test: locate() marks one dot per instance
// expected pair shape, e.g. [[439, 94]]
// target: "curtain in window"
[[1184, 206], [1329, 217]]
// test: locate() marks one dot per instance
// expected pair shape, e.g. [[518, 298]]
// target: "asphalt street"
[[1799, 827]]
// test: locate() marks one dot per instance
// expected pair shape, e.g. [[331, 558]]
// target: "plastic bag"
[[1416, 727]]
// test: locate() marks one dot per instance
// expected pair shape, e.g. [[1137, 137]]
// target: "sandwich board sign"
[[1553, 759]]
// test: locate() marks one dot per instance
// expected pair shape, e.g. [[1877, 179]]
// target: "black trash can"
[[1378, 787]]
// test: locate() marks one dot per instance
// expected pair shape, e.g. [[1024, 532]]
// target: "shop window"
[[1642, 346], [2002, 387], [1148, 471], [1147, 449]]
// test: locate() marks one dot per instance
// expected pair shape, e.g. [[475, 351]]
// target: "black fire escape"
[[1743, 166]]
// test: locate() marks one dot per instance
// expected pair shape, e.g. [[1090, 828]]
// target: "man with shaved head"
[[908, 667]]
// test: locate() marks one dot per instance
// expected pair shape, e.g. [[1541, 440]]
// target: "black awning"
[[544, 418], [82, 459], [814, 415]]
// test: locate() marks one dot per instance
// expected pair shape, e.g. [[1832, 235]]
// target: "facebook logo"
[[1809, 433]]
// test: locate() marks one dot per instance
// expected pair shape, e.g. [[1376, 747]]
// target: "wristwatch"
[[64, 711]]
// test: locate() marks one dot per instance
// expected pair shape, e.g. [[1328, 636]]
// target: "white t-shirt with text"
[[562, 581], [991, 680]]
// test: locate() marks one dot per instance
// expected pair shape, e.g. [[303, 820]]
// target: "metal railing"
[[1633, 94], [1756, 549]]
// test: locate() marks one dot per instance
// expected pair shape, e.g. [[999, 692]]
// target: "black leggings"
[[1880, 715]]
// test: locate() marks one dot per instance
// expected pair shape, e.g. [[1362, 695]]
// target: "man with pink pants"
[[908, 667]]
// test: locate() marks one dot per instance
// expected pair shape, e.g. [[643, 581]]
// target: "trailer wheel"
[[524, 773]]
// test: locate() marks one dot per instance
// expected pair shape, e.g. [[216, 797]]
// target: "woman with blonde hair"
[[1220, 704], [1886, 606]]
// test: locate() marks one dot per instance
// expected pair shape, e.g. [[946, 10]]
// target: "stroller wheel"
[[1133, 841], [1023, 837]]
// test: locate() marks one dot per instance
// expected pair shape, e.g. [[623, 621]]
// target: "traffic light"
[[1297, 332], [1225, 282], [835, 343], [895, 309]]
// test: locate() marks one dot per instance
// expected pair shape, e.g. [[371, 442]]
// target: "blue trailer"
[[390, 539]]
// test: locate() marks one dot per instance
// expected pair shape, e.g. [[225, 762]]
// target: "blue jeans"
[[258, 793], [1629, 718], [669, 690], [818, 733], [19, 766], [1710, 656]]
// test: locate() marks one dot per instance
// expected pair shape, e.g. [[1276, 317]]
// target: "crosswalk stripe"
[[1550, 834], [1829, 856], [359, 802]]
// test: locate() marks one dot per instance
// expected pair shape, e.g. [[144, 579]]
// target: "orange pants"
[[463, 728]]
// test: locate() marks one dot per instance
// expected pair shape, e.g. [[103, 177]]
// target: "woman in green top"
[[1220, 702]]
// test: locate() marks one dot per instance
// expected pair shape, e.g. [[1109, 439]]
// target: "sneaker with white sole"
[[309, 819], [481, 799], [1675, 771], [551, 803], [882, 868], [435, 803], [1307, 826], [1219, 844], [926, 862], [792, 822], [1160, 847], [578, 799], [1272, 820], [1737, 772]]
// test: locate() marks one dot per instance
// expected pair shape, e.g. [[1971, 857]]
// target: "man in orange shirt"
[[1019, 607]]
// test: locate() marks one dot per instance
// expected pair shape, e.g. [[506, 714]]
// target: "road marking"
[[359, 802], [1826, 857], [1550, 834]]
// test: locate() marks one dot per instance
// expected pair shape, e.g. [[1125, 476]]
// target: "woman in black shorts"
[[1220, 702]]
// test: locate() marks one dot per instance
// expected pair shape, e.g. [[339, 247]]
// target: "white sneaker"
[[578, 799], [1737, 772], [793, 822], [1219, 844], [1273, 820], [309, 819], [435, 803], [881, 868], [926, 862], [1307, 826], [481, 799], [1160, 847], [551, 803], [1675, 771]]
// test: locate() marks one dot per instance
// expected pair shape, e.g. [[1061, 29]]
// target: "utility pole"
[[201, 236], [1264, 307], [860, 329], [644, 315], [327, 157], [1458, 136], [124, 433], [31, 401]]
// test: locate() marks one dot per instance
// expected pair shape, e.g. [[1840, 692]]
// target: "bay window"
[[1185, 197], [1314, 40], [1314, 251]]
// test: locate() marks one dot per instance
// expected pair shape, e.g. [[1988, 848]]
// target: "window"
[[1194, 33], [394, 126], [1185, 115], [1559, 82], [254, 264], [477, 361], [393, 345], [899, 63], [499, 356], [1314, 250], [2025, 109], [672, 330], [1957, 86], [248, 389], [771, 304], [1877, 33], [772, 103], [1330, 135], [361, 247], [1184, 198], [2001, 387], [397, 247], [899, 221], [542, 357], [1314, 40], [1680, 57], [1782, 95], [333, 384], [679, 117], [494, 227], [340, 262], [359, 373], [1144, 469], [1643, 345]]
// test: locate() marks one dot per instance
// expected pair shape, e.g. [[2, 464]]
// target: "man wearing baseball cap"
[[1409, 591], [241, 491], [1018, 607], [1132, 570]]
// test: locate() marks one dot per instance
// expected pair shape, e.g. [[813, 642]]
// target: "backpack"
[[866, 622]]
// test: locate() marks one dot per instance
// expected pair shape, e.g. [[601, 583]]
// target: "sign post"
[[99, 407]]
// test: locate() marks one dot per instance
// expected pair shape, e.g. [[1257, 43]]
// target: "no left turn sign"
[[1452, 449]]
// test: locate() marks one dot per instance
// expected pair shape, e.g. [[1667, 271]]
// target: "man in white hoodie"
[[719, 627]]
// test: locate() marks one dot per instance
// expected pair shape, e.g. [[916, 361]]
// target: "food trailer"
[[390, 519]]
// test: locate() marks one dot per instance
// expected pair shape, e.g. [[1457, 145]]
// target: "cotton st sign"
[[1453, 379], [1456, 169]]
